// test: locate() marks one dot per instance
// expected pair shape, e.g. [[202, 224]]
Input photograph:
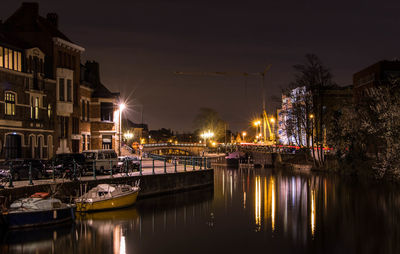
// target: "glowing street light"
[[257, 123], [128, 135], [244, 135], [272, 120], [122, 106], [207, 135]]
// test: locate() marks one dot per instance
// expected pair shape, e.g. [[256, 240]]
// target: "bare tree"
[[315, 77]]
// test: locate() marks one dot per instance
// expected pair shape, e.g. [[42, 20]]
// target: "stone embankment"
[[150, 185]]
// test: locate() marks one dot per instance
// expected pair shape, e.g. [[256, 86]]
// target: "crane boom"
[[265, 121]]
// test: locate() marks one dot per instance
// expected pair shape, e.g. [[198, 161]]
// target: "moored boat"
[[107, 196], [38, 210]]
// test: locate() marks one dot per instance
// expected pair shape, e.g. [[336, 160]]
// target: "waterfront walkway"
[[160, 167]]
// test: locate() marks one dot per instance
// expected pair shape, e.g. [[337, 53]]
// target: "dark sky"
[[139, 44]]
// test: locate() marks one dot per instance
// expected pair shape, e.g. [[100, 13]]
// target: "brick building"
[[26, 101], [99, 112], [46, 108], [378, 74]]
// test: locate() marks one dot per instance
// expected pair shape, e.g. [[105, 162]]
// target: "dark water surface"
[[249, 210]]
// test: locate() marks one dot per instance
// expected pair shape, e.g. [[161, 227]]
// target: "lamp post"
[[312, 130], [256, 124], [244, 135], [272, 120], [121, 107]]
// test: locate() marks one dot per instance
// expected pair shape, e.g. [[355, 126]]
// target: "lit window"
[[5, 57], [15, 67], [10, 104], [19, 59], [32, 116], [10, 59], [37, 108], [49, 111]]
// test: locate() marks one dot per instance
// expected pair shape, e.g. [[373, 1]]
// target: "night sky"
[[139, 45]]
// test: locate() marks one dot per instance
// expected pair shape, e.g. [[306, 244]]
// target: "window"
[[107, 110], [63, 126], [32, 111], [83, 110], [10, 59], [69, 90], [49, 111], [83, 142], [34, 107], [6, 58], [107, 142], [75, 125], [87, 111], [9, 103], [61, 89], [37, 108], [88, 142], [15, 67]]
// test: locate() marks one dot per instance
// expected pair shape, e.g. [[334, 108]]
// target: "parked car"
[[20, 169], [128, 162], [103, 160]]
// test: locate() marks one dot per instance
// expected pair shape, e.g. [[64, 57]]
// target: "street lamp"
[[272, 120], [244, 135], [121, 107], [312, 130], [206, 135], [257, 123]]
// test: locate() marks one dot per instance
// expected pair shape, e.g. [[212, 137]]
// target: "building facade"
[[100, 114], [44, 108], [27, 116], [378, 74]]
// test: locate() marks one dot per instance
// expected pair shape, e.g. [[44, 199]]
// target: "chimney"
[[31, 7], [52, 18]]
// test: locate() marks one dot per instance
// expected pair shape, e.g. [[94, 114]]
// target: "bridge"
[[182, 149]]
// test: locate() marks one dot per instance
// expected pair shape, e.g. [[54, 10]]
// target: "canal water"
[[247, 211]]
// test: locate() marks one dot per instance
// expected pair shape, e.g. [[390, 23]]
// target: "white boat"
[[38, 210]]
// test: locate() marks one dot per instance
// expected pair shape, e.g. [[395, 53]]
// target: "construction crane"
[[265, 122]]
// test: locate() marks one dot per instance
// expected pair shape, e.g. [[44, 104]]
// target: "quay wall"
[[151, 185]]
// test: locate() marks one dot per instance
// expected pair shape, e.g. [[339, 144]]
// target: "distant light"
[[128, 135]]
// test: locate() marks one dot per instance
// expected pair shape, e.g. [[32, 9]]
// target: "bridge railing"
[[192, 162], [173, 144]]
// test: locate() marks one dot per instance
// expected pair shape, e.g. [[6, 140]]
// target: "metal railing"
[[76, 171]]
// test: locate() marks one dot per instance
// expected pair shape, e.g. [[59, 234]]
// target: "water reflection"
[[248, 210]]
